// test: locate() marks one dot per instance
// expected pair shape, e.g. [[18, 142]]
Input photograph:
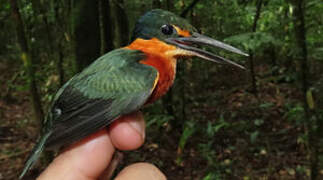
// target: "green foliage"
[[212, 176], [213, 128], [207, 151], [295, 113], [254, 41], [314, 19], [266, 105], [189, 129], [317, 53], [254, 136], [259, 122], [157, 120]]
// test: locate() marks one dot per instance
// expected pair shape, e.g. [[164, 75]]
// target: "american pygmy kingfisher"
[[123, 80]]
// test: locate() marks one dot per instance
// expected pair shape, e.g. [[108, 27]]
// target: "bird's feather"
[[114, 85]]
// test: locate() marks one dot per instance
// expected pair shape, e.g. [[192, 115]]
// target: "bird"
[[124, 80]]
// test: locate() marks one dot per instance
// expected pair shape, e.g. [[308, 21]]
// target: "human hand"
[[87, 159]]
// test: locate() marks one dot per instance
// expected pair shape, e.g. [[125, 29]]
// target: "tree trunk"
[[274, 61], [101, 24], [156, 4], [60, 45], [183, 91], [28, 63], [121, 23], [251, 55], [59, 64], [106, 29], [188, 8], [87, 32], [39, 8], [300, 30], [170, 5]]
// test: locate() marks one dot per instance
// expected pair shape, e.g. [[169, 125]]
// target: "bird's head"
[[179, 33]]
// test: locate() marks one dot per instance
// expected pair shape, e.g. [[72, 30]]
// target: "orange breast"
[[160, 57]]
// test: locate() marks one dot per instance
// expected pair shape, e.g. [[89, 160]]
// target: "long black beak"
[[187, 43]]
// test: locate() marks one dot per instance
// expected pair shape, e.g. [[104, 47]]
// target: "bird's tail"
[[35, 153]]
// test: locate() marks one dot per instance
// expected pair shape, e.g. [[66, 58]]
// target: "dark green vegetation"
[[217, 122]]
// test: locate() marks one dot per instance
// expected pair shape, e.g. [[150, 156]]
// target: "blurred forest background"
[[217, 122]]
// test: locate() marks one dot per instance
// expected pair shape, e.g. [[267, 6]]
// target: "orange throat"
[[161, 56]]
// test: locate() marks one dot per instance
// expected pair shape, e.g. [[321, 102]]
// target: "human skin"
[[87, 159]]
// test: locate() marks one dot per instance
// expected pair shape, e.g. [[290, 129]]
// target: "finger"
[[128, 133], [83, 161], [141, 171]]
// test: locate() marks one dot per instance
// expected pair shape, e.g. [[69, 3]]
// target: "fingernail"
[[138, 124]]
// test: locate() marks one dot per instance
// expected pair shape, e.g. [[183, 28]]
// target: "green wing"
[[114, 85]]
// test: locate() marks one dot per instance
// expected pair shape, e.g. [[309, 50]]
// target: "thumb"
[[84, 160]]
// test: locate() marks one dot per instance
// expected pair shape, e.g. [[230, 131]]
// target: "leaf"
[[211, 176], [67, 37], [317, 53], [266, 105], [214, 128], [157, 120], [254, 136], [259, 122], [189, 129], [219, 126], [310, 100], [24, 58], [253, 40]]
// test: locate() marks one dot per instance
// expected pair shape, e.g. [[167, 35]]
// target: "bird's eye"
[[167, 29]]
